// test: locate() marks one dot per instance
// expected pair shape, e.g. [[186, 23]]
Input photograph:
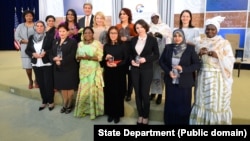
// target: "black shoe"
[[158, 100], [110, 119], [152, 96], [68, 110], [41, 108], [63, 110], [51, 107], [116, 120], [128, 98]]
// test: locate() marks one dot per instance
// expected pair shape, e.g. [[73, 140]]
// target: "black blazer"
[[47, 47], [81, 21], [150, 52], [69, 48], [189, 61]]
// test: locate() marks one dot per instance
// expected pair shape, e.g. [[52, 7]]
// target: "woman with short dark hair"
[[22, 33], [65, 67], [144, 51]]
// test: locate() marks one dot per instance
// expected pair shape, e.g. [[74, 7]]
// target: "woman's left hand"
[[178, 67]]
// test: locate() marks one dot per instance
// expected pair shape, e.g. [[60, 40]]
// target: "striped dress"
[[214, 89]]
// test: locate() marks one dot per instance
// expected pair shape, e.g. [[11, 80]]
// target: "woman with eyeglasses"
[[114, 61]]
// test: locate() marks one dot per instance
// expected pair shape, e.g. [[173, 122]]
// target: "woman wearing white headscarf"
[[163, 34], [214, 89]]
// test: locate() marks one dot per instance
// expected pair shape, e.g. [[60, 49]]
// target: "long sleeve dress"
[[214, 89], [90, 97], [115, 80]]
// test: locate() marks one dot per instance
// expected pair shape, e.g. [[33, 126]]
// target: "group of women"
[[103, 64], [205, 64]]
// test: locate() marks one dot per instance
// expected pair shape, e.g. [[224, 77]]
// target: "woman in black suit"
[[38, 49], [178, 60], [66, 67], [144, 51]]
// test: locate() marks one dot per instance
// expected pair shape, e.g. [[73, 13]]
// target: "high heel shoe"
[[51, 107], [41, 107], [145, 121], [63, 110], [139, 121], [68, 110]]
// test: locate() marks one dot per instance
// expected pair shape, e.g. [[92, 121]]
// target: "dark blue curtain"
[[8, 20]]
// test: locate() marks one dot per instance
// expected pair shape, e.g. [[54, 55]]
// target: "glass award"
[[59, 52], [137, 59], [111, 59]]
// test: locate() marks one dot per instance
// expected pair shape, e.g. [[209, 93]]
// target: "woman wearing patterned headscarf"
[[38, 49], [214, 89], [178, 61]]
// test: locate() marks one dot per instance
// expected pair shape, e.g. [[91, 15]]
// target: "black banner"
[[134, 132]]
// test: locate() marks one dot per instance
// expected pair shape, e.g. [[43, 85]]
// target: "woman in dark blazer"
[[38, 49], [144, 51], [66, 76], [178, 60]]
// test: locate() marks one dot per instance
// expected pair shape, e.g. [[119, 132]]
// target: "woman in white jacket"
[[162, 32]]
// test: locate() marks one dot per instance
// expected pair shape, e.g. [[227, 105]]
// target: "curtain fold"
[[116, 7], [165, 10], [43, 9]]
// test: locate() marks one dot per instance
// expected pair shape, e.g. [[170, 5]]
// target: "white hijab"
[[216, 21]]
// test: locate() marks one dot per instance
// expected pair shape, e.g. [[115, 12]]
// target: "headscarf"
[[215, 21], [179, 48], [156, 14], [37, 37]]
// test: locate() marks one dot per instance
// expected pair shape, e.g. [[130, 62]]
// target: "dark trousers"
[[129, 86], [141, 80], [44, 78]]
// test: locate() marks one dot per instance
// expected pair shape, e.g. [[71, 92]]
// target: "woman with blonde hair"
[[100, 28]]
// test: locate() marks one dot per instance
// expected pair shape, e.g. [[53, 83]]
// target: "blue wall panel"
[[242, 32], [226, 5]]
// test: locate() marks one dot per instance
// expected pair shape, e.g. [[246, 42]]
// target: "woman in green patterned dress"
[[89, 100]]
